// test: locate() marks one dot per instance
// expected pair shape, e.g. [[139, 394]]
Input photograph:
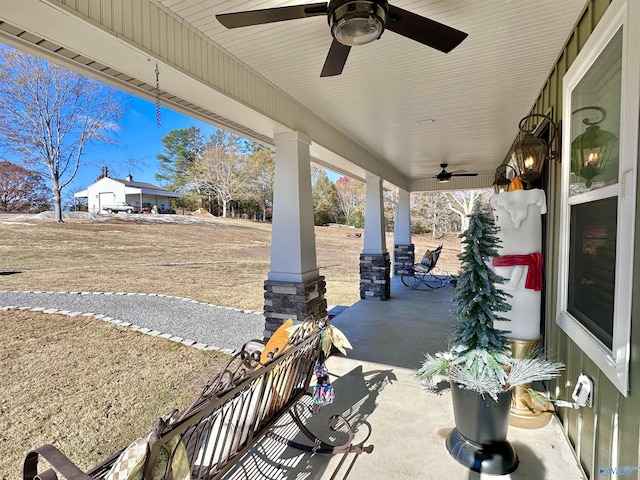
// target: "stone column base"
[[403, 259], [375, 276], [295, 300]]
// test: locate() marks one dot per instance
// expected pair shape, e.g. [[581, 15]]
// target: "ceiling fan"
[[352, 23], [445, 176]]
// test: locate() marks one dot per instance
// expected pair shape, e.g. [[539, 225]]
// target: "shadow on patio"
[[388, 409]]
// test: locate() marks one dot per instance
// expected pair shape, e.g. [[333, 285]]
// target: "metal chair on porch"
[[423, 276]]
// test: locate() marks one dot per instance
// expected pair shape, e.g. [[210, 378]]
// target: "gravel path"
[[222, 328]]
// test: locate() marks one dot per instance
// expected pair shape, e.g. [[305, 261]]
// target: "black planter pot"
[[479, 441]]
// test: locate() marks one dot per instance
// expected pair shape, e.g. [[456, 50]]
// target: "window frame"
[[614, 362]]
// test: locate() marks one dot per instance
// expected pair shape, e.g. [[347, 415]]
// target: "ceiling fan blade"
[[336, 58], [428, 32], [464, 174], [270, 15]]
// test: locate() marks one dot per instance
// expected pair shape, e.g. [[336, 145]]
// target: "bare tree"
[[462, 202], [260, 187], [20, 189], [48, 115], [390, 203], [430, 213], [350, 195], [223, 173]]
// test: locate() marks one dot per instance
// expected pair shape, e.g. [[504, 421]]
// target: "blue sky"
[[139, 141]]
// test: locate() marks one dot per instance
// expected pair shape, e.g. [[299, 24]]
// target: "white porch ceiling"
[[409, 105], [398, 110]]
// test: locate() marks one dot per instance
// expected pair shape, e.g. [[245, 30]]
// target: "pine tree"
[[324, 197], [479, 299], [182, 148]]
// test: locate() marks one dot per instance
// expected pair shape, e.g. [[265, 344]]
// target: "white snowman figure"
[[518, 218]]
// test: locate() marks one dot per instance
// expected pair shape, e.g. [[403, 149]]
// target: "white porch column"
[[293, 289], [403, 249], [374, 238], [293, 247], [402, 227], [375, 265]]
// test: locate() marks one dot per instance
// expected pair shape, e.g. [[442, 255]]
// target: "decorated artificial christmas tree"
[[477, 293], [479, 357], [478, 364]]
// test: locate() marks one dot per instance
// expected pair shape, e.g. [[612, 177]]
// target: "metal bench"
[[423, 276], [233, 411]]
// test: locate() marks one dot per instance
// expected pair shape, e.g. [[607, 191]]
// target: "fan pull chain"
[[158, 113]]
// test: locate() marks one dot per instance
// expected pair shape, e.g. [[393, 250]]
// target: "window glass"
[[595, 122], [592, 261]]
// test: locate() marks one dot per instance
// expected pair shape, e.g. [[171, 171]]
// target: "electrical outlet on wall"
[[583, 392]]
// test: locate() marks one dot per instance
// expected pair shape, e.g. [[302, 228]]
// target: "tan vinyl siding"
[[587, 421], [614, 422], [606, 401]]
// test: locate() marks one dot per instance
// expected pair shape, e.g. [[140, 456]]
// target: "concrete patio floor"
[[407, 426]]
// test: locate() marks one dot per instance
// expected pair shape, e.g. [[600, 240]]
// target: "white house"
[[109, 191]]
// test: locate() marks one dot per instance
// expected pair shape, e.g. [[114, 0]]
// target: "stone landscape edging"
[[136, 328]]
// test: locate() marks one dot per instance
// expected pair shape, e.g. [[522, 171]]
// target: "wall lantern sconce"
[[531, 152], [501, 183], [591, 150]]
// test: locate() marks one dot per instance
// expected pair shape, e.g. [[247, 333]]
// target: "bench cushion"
[[427, 259], [131, 460], [130, 463], [277, 341]]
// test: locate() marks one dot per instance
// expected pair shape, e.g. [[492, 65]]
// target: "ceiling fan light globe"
[[357, 31], [357, 22]]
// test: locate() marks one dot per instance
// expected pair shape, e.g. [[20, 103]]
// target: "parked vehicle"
[[154, 209], [120, 207]]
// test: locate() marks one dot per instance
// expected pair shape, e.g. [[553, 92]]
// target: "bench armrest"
[[255, 346], [57, 459]]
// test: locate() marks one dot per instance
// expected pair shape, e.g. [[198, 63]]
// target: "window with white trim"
[[599, 157]]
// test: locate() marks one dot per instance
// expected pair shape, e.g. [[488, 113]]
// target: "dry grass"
[[89, 387], [206, 261], [86, 386], [210, 261]]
